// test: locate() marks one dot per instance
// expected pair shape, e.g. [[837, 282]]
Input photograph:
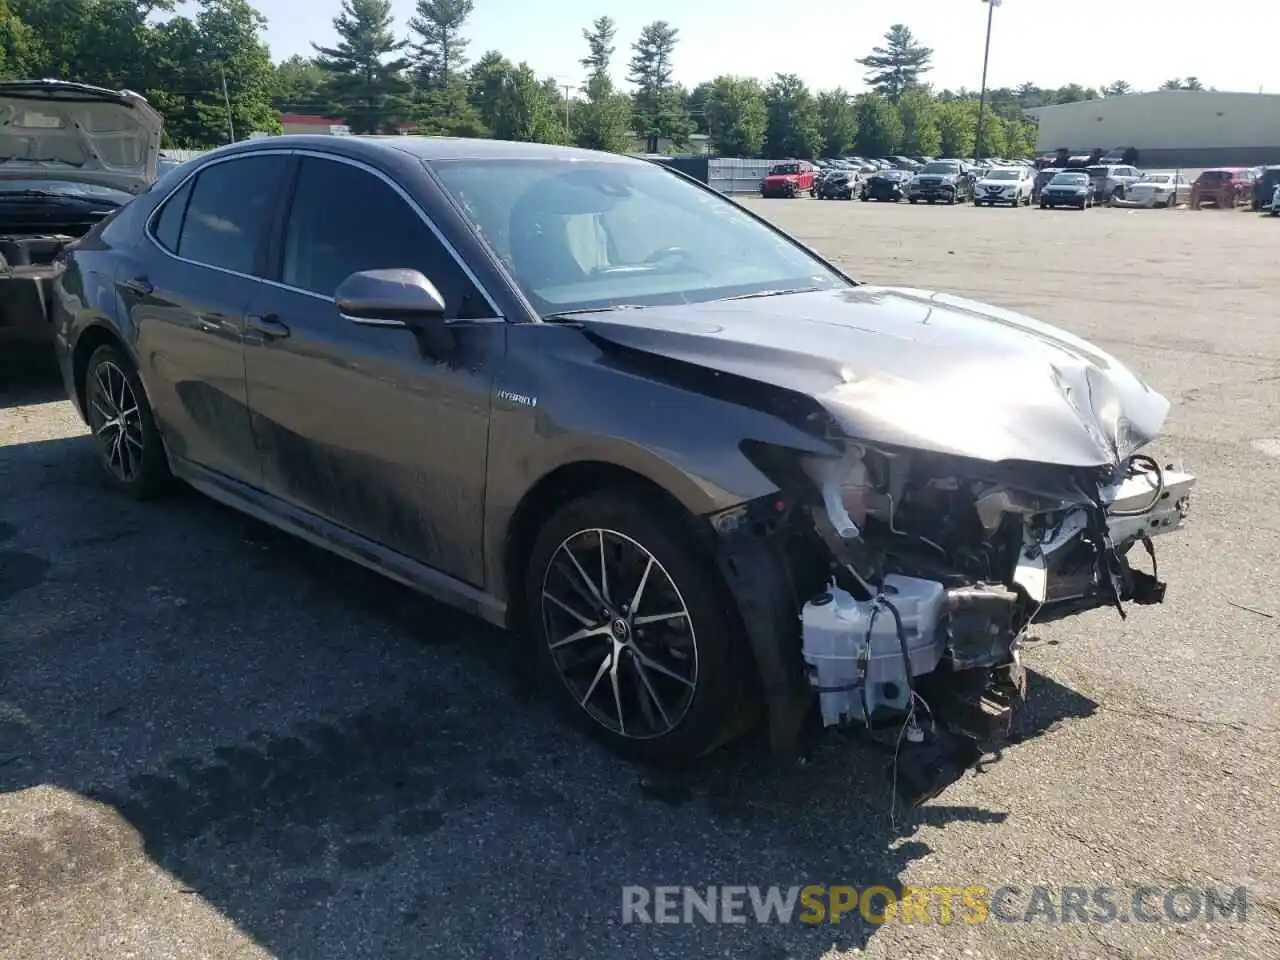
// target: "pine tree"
[[659, 113], [603, 122], [897, 65], [439, 55], [367, 87], [600, 44]]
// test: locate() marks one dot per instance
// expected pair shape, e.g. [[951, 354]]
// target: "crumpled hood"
[[55, 130], [915, 369]]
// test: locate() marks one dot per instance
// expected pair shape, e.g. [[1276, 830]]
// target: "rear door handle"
[[267, 328], [139, 285]]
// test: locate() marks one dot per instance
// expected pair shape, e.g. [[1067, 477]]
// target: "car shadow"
[[340, 766], [29, 383]]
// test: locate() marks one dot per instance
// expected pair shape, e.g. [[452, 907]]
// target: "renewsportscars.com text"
[[970, 904]]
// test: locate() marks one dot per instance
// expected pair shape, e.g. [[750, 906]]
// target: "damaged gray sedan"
[[717, 481]]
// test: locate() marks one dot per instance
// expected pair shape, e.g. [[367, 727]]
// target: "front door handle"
[[138, 285], [269, 327]]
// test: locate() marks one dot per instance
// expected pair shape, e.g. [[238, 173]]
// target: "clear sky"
[[1142, 41]]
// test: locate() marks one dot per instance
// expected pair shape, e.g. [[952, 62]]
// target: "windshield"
[[784, 168], [591, 235], [93, 192], [1098, 171], [1069, 180], [1001, 175], [936, 167], [1157, 178]]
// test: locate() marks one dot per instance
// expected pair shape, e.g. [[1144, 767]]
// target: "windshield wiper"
[[782, 292], [568, 315]]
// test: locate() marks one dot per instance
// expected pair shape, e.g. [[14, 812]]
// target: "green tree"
[[486, 79], [18, 46], [918, 112], [897, 65], [736, 115], [438, 54], [104, 41], [957, 127], [658, 112], [1192, 83], [994, 140], [1174, 84], [600, 47], [298, 86], [1118, 89], [523, 110], [879, 126], [236, 65], [837, 121], [365, 77], [696, 105], [603, 120], [793, 124], [1074, 93]]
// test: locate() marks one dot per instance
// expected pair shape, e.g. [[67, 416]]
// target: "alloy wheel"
[[116, 421], [619, 634]]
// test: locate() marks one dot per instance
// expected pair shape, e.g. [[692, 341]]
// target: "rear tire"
[[671, 713], [124, 429]]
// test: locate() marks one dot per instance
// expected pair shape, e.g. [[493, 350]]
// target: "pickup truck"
[[71, 154]]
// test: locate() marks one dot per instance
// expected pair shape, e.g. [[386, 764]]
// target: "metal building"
[[1170, 128]]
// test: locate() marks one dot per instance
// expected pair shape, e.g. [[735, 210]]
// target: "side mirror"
[[389, 298]]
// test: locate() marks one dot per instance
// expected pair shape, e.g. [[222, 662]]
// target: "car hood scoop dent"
[[916, 370]]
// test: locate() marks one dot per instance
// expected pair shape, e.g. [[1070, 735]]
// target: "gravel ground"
[[218, 742]]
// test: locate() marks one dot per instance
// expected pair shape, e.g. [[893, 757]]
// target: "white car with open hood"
[[70, 155]]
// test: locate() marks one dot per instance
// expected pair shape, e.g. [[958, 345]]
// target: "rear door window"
[[230, 206]]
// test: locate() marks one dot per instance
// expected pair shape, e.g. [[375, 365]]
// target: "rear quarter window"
[[168, 226]]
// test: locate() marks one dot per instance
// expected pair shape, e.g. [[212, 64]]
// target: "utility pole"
[[226, 98], [982, 97]]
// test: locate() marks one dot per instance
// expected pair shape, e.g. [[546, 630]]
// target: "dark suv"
[[1264, 188], [587, 397]]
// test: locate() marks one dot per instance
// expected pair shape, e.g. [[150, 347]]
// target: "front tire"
[[631, 629], [120, 418]]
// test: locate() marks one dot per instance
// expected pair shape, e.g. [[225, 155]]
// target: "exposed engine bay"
[[917, 575], [27, 268], [19, 252]]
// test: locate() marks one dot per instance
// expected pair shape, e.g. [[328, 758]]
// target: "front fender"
[[561, 400]]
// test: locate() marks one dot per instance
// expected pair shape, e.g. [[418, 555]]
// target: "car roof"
[[428, 148]]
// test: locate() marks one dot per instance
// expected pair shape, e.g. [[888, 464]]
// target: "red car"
[[790, 179], [1224, 187]]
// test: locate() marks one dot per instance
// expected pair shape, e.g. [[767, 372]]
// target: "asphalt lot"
[[218, 742]]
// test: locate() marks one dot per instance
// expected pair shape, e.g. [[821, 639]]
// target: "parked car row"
[[1021, 183]]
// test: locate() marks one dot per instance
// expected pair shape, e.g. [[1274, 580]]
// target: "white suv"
[[1011, 185]]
